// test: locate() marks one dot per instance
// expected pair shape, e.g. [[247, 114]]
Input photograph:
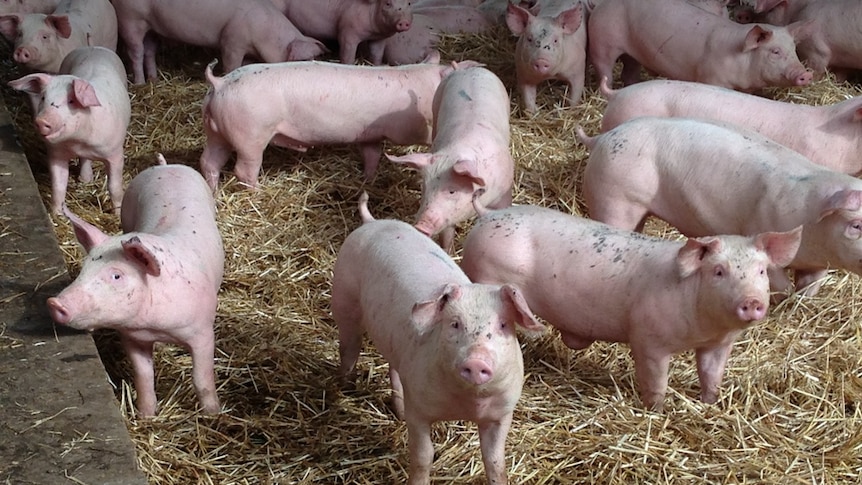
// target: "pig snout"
[[476, 370], [403, 25], [542, 66], [22, 55], [45, 126], [751, 309], [59, 312], [804, 78], [428, 225]]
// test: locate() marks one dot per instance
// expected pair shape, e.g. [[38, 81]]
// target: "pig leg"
[[711, 362], [376, 48], [651, 370], [809, 281], [141, 356], [371, 153], [85, 169], [151, 44], [421, 450], [576, 88], [114, 167], [397, 393], [603, 58], [492, 440], [133, 34], [616, 213], [203, 374], [528, 96], [573, 341], [213, 159], [447, 239], [248, 162], [231, 55], [779, 284], [347, 44], [59, 169]]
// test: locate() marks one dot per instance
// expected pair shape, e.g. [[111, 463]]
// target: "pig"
[[251, 28], [451, 345], [42, 41], [350, 22], [837, 42], [595, 282], [469, 151], [423, 4], [156, 282], [260, 104], [830, 136], [420, 41], [677, 40], [551, 45], [681, 170], [717, 7], [82, 112], [28, 6]]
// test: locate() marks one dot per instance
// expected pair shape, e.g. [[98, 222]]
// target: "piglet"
[[28, 6], [706, 178], [247, 28], [82, 112], [677, 40], [156, 282], [594, 282], [830, 135], [41, 41], [451, 345], [302, 104], [551, 45], [350, 22], [470, 151]]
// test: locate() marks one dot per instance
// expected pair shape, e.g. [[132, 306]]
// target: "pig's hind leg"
[[203, 373]]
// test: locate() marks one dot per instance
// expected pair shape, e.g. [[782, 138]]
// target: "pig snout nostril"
[[476, 372], [403, 26], [58, 312], [21, 55], [804, 78], [751, 310]]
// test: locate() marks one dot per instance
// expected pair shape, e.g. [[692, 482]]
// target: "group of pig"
[[754, 193]]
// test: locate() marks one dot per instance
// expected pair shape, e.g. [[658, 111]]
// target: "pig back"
[[471, 102], [175, 203], [104, 69]]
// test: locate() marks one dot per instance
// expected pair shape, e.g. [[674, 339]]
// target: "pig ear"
[[433, 57], [31, 83], [781, 247], [516, 18], [523, 315], [761, 6], [9, 26], [136, 250], [691, 255], [87, 234], [470, 169], [571, 19], [61, 24], [803, 30], [756, 36], [425, 311], [847, 200], [857, 114], [416, 161], [84, 93]]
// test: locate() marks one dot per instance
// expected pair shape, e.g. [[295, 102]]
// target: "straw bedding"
[[789, 410]]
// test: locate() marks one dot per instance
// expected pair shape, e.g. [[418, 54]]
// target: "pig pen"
[[789, 408]]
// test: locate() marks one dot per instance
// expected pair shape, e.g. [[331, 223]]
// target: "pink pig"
[[451, 345], [828, 135], [157, 282], [836, 44], [41, 41], [470, 151], [707, 178], [595, 282], [252, 28], [420, 41], [83, 112], [269, 103], [28, 6], [350, 22], [551, 45], [675, 39]]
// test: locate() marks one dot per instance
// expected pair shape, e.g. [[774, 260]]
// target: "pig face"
[[475, 330], [541, 39], [734, 282], [61, 103], [840, 227], [36, 38], [774, 54], [395, 14]]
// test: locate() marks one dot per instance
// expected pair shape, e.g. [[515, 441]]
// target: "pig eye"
[[116, 276], [718, 271], [455, 324]]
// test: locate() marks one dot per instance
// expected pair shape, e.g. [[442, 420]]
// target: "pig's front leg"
[[59, 169], [85, 169], [809, 281], [203, 374], [348, 43], [651, 369], [492, 440], [141, 356], [421, 450], [711, 362], [528, 96], [375, 51], [397, 393], [114, 167], [151, 44], [576, 88]]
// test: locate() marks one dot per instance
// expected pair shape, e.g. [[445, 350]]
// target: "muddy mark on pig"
[[464, 95]]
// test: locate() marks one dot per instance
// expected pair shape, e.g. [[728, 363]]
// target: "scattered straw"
[[789, 410]]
